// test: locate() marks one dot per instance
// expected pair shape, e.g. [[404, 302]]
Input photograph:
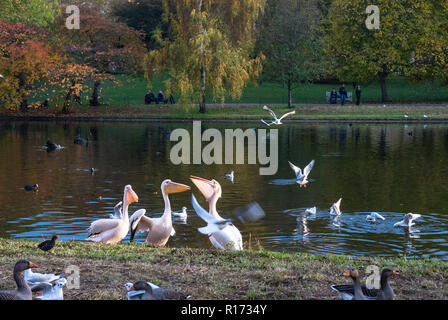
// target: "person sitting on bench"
[[149, 97], [333, 96]]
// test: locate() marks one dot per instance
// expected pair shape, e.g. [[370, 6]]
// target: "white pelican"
[[50, 291], [159, 229], [276, 120], [302, 177], [230, 176], [181, 215], [33, 278], [336, 208], [113, 230], [230, 236], [408, 220], [373, 216]]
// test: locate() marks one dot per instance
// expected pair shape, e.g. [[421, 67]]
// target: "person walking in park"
[[172, 98], [333, 96], [343, 94], [358, 94]]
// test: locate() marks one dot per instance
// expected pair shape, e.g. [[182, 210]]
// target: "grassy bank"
[[248, 112], [212, 274]]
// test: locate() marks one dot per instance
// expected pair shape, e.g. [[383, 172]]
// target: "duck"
[[407, 222], [373, 216], [31, 187], [79, 140], [302, 178], [181, 215], [158, 293], [213, 224], [276, 121], [230, 176], [47, 245], [35, 277], [113, 230], [336, 208], [229, 237], [385, 292], [51, 146], [23, 291], [159, 229], [49, 291]]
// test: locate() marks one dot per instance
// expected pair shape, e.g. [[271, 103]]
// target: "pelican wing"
[[103, 225], [139, 223], [201, 212], [308, 168], [286, 114]]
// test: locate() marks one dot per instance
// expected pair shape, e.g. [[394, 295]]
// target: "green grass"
[[212, 274]]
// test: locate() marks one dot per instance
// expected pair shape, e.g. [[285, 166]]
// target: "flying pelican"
[[408, 220], [113, 230], [336, 208], [302, 177], [276, 120], [373, 216], [159, 229], [229, 237]]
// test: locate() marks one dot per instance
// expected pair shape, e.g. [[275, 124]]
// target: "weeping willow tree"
[[209, 47]]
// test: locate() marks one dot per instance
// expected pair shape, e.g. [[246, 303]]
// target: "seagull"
[[50, 291], [335, 208], [311, 210], [373, 216], [181, 215], [118, 211], [302, 177], [425, 116], [407, 221], [276, 120], [1, 76], [213, 224], [34, 278], [230, 176], [406, 116]]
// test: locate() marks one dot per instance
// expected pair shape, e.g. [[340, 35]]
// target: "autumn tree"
[[39, 13], [209, 46], [290, 39], [360, 54]]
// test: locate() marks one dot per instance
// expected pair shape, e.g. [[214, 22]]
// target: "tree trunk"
[[384, 96], [68, 99], [24, 105], [289, 95], [202, 104], [94, 99]]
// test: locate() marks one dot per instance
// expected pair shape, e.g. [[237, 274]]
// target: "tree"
[[291, 41], [209, 46], [34, 12], [361, 54]]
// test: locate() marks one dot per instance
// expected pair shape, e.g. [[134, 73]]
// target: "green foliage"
[[35, 12]]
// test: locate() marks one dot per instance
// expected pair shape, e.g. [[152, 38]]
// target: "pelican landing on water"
[[276, 120], [159, 229], [228, 236]]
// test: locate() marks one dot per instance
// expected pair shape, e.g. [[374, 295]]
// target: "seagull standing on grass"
[[302, 177], [276, 121]]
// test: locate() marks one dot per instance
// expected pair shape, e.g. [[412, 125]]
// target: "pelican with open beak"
[[228, 237], [159, 229], [114, 230]]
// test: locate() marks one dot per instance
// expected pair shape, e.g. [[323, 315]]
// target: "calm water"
[[391, 169]]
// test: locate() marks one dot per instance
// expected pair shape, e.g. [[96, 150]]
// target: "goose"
[[351, 292], [276, 120], [336, 208], [47, 245], [33, 278], [158, 293], [113, 230], [31, 187], [181, 215], [407, 222], [213, 224], [159, 229], [50, 291], [385, 292], [229, 237], [311, 210], [79, 140], [23, 291], [135, 294], [302, 178], [230, 176], [373, 216]]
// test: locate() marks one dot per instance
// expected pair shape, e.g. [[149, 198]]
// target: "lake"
[[387, 168]]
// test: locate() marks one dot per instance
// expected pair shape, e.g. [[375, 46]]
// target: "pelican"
[[336, 208], [113, 230], [229, 237], [213, 224], [407, 221], [276, 120], [373, 216], [159, 229], [230, 176], [302, 178]]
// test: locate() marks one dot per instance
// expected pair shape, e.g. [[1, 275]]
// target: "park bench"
[[348, 98]]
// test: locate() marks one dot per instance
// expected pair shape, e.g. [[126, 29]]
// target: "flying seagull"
[[276, 121], [302, 177]]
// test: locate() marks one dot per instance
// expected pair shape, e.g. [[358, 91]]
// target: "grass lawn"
[[212, 274]]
